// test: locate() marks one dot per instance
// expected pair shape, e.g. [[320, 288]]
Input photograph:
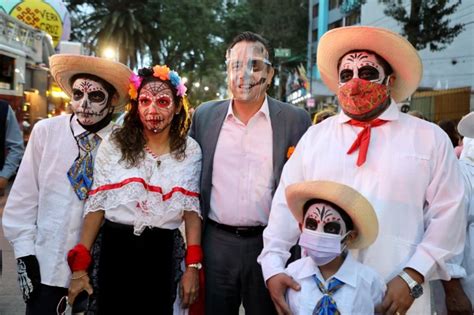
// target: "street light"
[[109, 53], [197, 84], [206, 88]]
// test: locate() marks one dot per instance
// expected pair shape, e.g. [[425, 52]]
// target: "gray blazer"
[[289, 123]]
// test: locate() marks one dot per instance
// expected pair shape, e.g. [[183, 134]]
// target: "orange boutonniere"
[[290, 151], [161, 72]]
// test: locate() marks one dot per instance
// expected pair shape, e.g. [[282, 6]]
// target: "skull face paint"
[[361, 65], [156, 106], [362, 92], [249, 71], [324, 218], [89, 101]]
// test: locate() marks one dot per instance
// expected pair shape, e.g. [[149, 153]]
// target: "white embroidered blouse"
[[153, 194]]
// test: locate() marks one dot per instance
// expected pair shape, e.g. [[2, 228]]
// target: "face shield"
[[249, 71]]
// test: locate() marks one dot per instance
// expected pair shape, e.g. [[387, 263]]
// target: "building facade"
[[325, 15]]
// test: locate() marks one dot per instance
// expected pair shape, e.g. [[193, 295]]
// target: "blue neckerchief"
[[81, 173], [326, 305]]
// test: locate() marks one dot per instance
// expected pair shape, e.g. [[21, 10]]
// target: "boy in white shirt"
[[333, 218]]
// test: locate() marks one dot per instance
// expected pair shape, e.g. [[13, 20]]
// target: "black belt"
[[238, 230]]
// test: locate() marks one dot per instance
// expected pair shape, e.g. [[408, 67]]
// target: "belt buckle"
[[240, 231]]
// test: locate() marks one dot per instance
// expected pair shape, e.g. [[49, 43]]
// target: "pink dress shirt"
[[242, 177]]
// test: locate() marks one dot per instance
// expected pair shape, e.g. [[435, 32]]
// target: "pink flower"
[[181, 89], [135, 80]]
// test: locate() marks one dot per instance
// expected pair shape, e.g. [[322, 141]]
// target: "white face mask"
[[322, 247], [323, 232]]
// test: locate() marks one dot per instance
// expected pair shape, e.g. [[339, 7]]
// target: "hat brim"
[[396, 50], [353, 203], [64, 66], [466, 126]]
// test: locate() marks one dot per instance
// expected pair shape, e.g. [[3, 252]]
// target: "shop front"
[[24, 78]]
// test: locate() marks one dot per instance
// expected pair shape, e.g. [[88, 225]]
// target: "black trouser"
[[233, 275], [46, 301]]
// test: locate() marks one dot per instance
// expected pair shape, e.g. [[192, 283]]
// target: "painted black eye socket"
[[345, 75], [332, 227], [368, 73], [257, 65], [311, 224], [77, 94], [96, 96]]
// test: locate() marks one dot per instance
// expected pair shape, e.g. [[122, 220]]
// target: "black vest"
[[3, 130]]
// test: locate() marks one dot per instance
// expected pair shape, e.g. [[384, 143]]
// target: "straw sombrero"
[[466, 126], [353, 203], [64, 66], [396, 50]]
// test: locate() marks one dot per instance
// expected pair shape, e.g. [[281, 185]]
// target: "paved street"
[[11, 302]]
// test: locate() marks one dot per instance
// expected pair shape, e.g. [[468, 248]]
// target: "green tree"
[[427, 23], [182, 34], [284, 23], [117, 24]]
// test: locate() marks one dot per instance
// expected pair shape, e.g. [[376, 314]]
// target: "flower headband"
[[163, 73]]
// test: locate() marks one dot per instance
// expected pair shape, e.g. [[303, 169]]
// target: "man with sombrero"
[[409, 174], [458, 295], [333, 218], [43, 214]]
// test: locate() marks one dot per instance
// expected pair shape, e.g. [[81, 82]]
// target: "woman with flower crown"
[[146, 184]]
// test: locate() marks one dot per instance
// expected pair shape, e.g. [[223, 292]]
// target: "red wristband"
[[79, 258], [193, 254]]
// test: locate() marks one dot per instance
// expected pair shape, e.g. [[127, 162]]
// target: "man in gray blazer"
[[245, 142]]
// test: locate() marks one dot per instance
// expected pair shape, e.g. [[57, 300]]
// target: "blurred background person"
[[457, 295], [11, 145], [322, 115]]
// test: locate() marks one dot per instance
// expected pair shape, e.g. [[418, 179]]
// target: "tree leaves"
[[427, 24]]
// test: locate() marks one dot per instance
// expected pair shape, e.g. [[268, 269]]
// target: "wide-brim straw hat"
[[396, 50], [64, 66], [348, 199], [466, 126]]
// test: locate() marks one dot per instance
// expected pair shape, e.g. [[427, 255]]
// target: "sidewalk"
[[11, 301]]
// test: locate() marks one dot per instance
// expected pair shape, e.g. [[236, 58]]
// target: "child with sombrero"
[[333, 218]]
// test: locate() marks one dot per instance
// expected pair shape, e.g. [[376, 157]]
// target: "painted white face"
[[323, 218], [89, 101], [156, 106], [362, 65], [249, 71]]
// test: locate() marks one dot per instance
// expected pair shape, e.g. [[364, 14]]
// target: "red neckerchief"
[[363, 138]]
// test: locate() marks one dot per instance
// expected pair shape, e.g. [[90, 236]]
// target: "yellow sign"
[[40, 15]]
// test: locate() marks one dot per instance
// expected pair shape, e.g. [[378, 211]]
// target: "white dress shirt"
[[242, 175], [412, 179], [43, 215], [363, 288]]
